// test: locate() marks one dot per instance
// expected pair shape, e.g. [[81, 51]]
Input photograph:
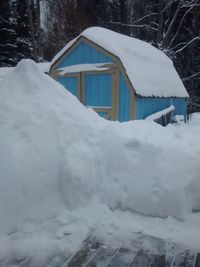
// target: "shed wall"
[[70, 83], [83, 54], [98, 90], [148, 106]]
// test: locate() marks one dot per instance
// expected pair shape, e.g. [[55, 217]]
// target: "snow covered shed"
[[120, 77]]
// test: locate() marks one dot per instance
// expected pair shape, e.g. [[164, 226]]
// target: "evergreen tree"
[[15, 42], [23, 41], [7, 35]]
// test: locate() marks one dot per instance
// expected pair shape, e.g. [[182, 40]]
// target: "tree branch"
[[146, 16], [171, 24], [192, 76], [191, 41], [128, 25], [180, 25]]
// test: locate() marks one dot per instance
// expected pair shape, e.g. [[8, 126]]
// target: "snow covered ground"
[[66, 173]]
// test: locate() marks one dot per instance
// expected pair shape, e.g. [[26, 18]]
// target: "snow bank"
[[58, 157], [43, 66], [37, 127], [149, 70]]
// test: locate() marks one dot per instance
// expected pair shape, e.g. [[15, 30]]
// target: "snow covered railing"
[[162, 117]]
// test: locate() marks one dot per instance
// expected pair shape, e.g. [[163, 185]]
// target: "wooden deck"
[[143, 251], [95, 254]]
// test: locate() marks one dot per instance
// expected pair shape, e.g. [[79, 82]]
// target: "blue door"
[[70, 83], [97, 93]]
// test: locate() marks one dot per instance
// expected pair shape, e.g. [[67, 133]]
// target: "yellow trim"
[[132, 107], [96, 72], [115, 99], [82, 88], [79, 87]]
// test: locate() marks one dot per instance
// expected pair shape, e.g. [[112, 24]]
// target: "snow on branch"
[[167, 6], [191, 41], [146, 16], [191, 3], [129, 25], [192, 76], [175, 35], [172, 22]]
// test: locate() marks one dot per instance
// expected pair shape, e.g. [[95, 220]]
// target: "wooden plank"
[[54, 260], [158, 261], [89, 249], [102, 258], [142, 259], [157, 245], [169, 260], [197, 262], [184, 259], [123, 258]]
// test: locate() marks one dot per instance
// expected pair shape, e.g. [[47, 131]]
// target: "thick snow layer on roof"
[[150, 71], [64, 174]]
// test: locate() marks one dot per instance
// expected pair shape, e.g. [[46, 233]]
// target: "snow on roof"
[[82, 67], [150, 71]]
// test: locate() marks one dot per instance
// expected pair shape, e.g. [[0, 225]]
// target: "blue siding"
[[180, 105], [124, 100], [82, 54], [98, 90], [147, 106], [102, 114], [70, 83]]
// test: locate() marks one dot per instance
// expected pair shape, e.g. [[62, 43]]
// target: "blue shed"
[[120, 77]]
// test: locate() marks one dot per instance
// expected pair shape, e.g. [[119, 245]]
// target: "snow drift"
[[56, 156]]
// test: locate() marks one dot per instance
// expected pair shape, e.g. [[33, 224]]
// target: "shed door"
[[97, 93], [71, 84]]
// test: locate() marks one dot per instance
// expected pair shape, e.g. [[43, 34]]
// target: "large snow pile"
[[149, 70], [57, 158]]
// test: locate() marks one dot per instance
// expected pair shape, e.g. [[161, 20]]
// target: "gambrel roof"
[[149, 70]]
